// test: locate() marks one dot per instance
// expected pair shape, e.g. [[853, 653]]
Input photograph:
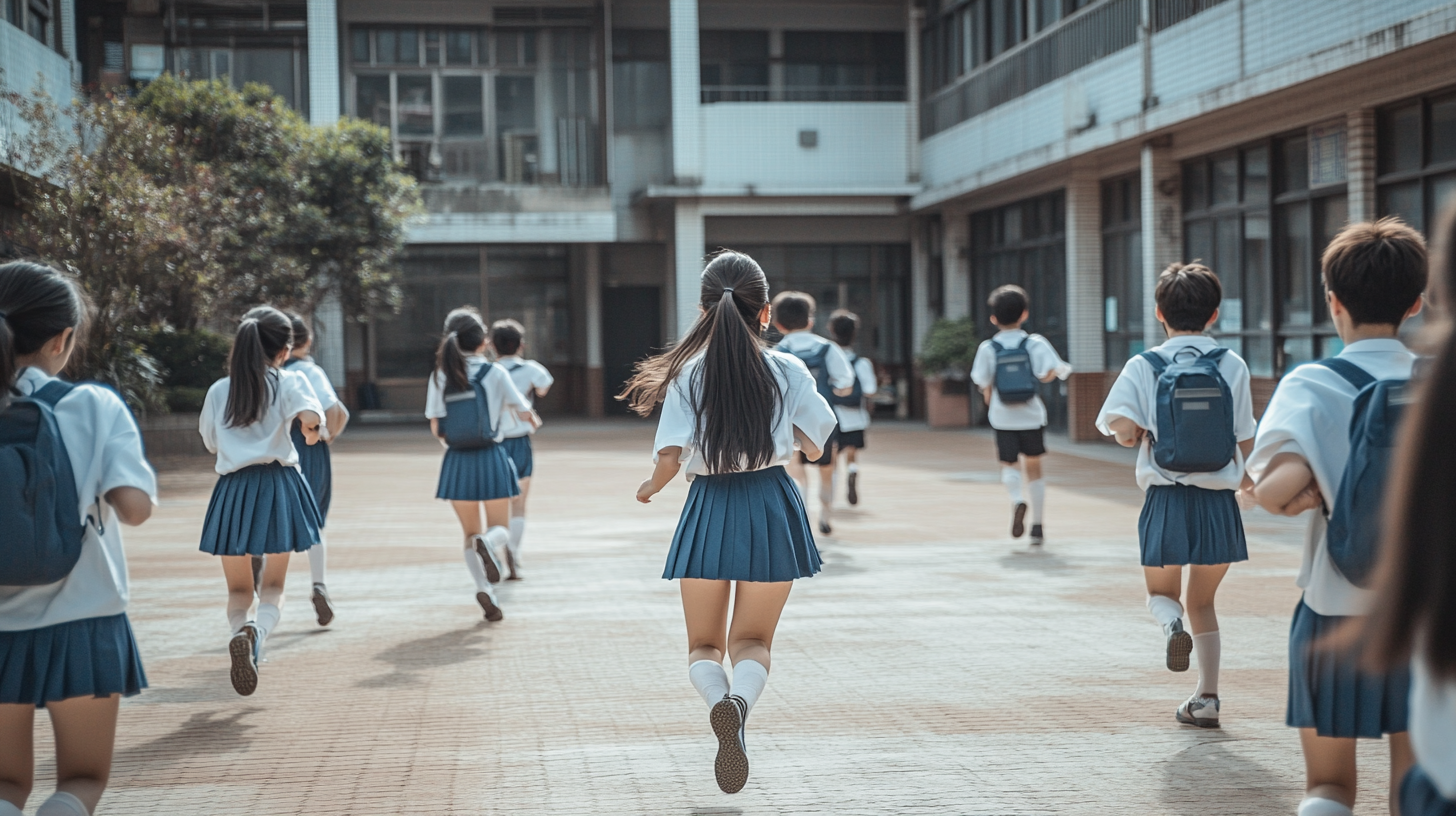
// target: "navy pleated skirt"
[[1419, 797], [318, 470], [482, 474], [743, 527], [1190, 525], [519, 449], [261, 509], [1331, 693], [92, 657]]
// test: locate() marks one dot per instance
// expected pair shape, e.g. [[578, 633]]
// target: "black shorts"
[[827, 457], [1010, 444], [851, 439]]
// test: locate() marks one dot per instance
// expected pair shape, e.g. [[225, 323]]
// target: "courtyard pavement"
[[935, 667]]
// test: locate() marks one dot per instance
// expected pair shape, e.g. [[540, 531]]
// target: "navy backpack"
[[467, 416], [855, 397], [1015, 381], [1195, 413], [43, 529], [1354, 532], [818, 365]]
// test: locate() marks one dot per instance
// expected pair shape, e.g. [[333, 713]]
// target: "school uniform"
[[262, 503], [529, 377], [72, 638], [1309, 415], [854, 420], [1020, 427], [841, 375], [315, 461], [1187, 518], [746, 525], [481, 474], [1430, 787]]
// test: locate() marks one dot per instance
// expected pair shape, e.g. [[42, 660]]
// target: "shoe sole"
[[244, 671], [323, 609], [1018, 521], [1201, 722], [731, 766], [493, 613], [853, 488], [1180, 646], [492, 569], [511, 567], [825, 529]]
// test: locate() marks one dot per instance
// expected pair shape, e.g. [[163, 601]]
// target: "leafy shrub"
[[190, 358], [949, 348]]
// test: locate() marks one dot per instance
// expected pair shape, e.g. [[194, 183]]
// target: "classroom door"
[[631, 330]]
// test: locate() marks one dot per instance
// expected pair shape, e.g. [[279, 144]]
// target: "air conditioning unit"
[[520, 157]]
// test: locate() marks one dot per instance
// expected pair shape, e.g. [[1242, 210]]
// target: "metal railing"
[[803, 93], [1168, 13]]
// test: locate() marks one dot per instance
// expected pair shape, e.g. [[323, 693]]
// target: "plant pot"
[[944, 410]]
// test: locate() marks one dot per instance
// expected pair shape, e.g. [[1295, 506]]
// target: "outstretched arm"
[[807, 445], [667, 467]]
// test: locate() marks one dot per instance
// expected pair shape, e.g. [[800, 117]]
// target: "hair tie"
[[727, 290]]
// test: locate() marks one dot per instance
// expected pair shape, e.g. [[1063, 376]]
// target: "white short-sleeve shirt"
[[529, 377], [1309, 415], [841, 374], [801, 407], [105, 449], [1135, 395], [501, 395], [1025, 416], [857, 417], [318, 379], [266, 440], [1433, 725]]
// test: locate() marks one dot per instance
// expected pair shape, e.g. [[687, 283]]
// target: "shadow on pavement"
[[1186, 777], [412, 657]]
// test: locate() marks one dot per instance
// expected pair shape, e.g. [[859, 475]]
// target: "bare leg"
[[17, 752], [756, 610], [826, 491], [237, 570], [518, 504], [1203, 581], [1031, 465], [1329, 767], [469, 514], [797, 471], [85, 730], [705, 610], [275, 572], [1165, 581], [1402, 759], [497, 513], [851, 456]]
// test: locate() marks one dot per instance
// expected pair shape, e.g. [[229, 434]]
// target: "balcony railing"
[[803, 93]]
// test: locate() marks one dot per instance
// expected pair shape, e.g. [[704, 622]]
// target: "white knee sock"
[[1165, 610], [1207, 647], [238, 613], [318, 559], [1315, 806], [749, 677], [853, 467], [1011, 477], [61, 804], [498, 538], [709, 679], [7, 809], [518, 532], [477, 571], [830, 487], [268, 617], [1036, 490]]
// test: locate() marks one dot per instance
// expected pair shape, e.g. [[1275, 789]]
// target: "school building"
[[900, 158]]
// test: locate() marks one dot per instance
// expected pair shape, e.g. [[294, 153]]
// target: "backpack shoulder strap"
[[1155, 360], [818, 357], [1022, 345], [1215, 354], [479, 375], [1353, 374], [52, 392]]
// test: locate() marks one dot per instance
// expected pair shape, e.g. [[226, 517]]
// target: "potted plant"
[[945, 361]]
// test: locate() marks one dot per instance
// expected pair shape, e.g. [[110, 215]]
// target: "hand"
[[311, 434], [1307, 499], [1246, 499], [646, 491], [534, 419]]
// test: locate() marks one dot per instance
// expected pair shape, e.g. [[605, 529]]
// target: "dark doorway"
[[631, 330]]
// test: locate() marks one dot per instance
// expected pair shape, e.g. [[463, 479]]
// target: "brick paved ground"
[[934, 667]]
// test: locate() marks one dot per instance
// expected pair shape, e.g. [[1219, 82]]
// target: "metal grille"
[[1168, 13]]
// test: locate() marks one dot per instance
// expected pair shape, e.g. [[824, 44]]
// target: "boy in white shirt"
[[507, 339], [1019, 421], [1191, 515], [1374, 275], [793, 316], [853, 413]]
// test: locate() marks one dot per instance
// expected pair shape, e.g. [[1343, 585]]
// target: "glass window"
[[386, 46], [371, 98], [1195, 185], [1256, 174], [409, 47], [530, 284], [1443, 130], [464, 106], [359, 39], [1294, 270], [416, 105], [457, 46], [1332, 213], [432, 47], [1226, 179], [434, 280], [1257, 315], [1403, 200], [1399, 135], [1294, 164]]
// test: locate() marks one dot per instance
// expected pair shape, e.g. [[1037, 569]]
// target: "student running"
[[261, 504], [853, 411], [315, 460], [733, 412], [467, 402], [1186, 405], [65, 642], [1007, 369], [1374, 275], [507, 338], [793, 316]]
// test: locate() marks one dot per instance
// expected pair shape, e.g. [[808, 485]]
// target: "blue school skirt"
[[743, 527], [1419, 797], [261, 509], [481, 474], [91, 657], [1190, 525], [318, 470], [519, 449], [1329, 692]]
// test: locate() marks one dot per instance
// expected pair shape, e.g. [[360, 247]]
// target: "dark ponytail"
[[734, 392], [301, 334], [464, 333], [36, 304], [263, 333]]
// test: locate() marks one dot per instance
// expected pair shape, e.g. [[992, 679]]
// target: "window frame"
[[1428, 172]]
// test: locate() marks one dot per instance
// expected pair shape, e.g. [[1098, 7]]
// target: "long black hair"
[[36, 304], [464, 332], [301, 335], [734, 393], [263, 333]]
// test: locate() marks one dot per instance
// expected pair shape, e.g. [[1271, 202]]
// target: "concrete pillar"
[[920, 317], [687, 124], [1360, 165], [689, 240], [1162, 213], [595, 396], [915, 18], [324, 87], [955, 261], [1084, 271], [68, 41], [328, 339]]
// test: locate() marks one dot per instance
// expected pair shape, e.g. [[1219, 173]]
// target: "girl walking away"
[[853, 411], [476, 471], [261, 505], [65, 642], [733, 412], [533, 381], [314, 460]]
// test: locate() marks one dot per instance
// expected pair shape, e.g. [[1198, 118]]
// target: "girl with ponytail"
[[480, 476], [261, 505], [65, 646], [733, 412]]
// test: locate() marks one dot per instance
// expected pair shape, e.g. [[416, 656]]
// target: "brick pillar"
[[1084, 303], [1162, 226], [1360, 164]]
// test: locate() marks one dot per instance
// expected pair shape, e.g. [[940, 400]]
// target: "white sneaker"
[[1199, 711]]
